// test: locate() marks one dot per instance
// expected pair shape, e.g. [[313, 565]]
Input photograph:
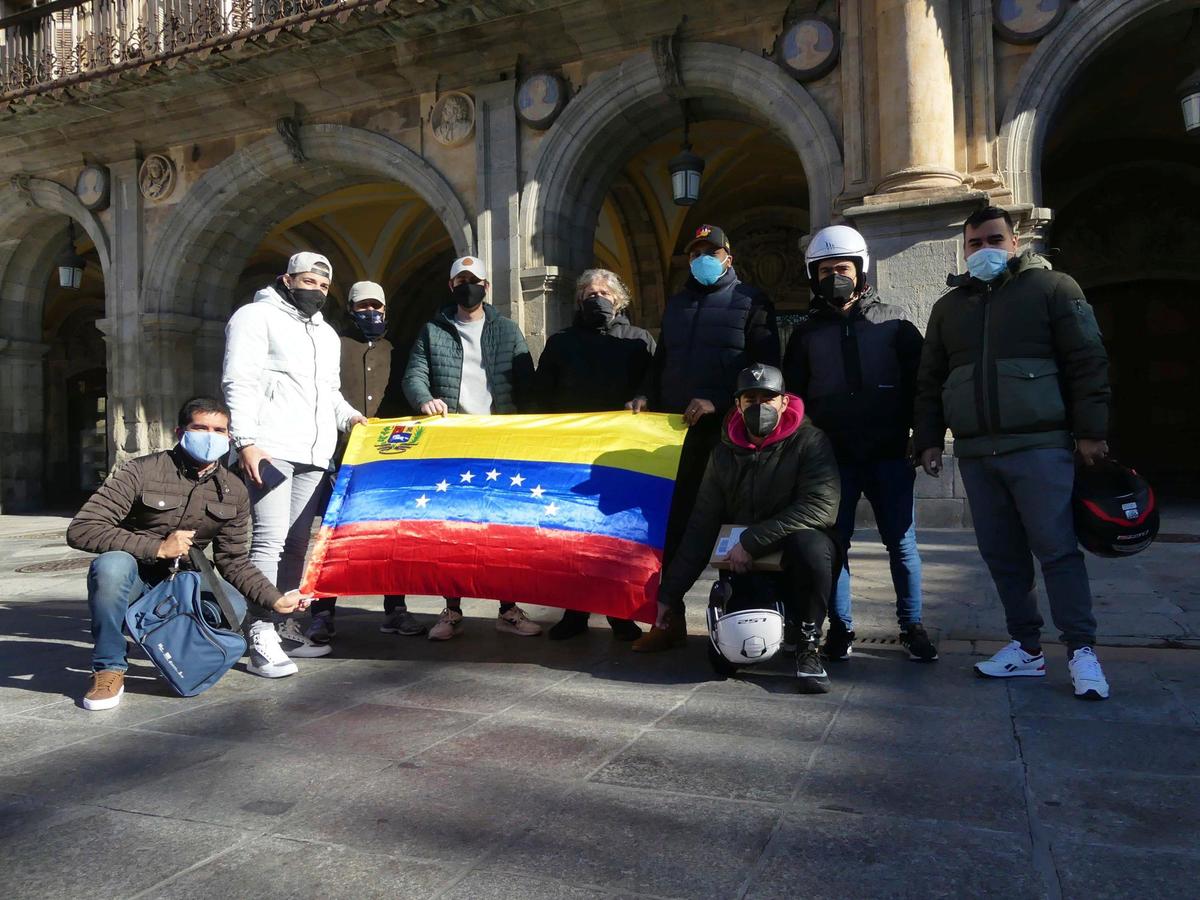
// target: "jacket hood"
[[819, 306], [735, 427], [1022, 262], [274, 295], [618, 320]]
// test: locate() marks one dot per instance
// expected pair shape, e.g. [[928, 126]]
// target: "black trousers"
[[329, 604], [693, 459], [811, 561]]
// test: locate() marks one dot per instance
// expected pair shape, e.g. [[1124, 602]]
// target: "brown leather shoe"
[[107, 687], [659, 639]]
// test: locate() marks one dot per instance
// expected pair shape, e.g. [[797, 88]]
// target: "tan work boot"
[[673, 633], [107, 687]]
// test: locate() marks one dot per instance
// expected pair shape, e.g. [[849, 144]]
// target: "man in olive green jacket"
[[1015, 366]]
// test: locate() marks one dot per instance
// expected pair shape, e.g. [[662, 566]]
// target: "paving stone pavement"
[[503, 767]]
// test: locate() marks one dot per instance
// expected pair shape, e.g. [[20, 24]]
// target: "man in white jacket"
[[282, 383]]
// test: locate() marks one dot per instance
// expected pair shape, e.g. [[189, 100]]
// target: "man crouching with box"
[[774, 472]]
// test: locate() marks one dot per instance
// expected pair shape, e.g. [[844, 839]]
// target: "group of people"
[[1011, 362]]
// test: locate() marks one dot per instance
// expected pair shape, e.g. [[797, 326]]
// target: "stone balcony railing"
[[63, 43]]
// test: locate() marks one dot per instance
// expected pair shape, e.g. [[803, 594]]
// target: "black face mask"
[[308, 300], [370, 322], [836, 289], [469, 295], [597, 311], [760, 419]]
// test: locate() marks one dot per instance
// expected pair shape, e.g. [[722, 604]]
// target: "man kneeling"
[[774, 472], [149, 513]]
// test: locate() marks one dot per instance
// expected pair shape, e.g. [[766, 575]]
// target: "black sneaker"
[[791, 637], [914, 639], [839, 644], [573, 622], [624, 629], [810, 672]]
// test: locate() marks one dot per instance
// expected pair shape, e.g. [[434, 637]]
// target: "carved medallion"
[[808, 48], [1026, 21], [540, 99], [157, 177], [91, 187], [453, 119]]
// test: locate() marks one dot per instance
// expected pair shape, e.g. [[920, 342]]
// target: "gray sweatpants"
[[1021, 504], [283, 520]]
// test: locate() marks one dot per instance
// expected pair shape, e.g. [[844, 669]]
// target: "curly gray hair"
[[620, 293]]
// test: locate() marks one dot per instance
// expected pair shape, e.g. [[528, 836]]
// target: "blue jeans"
[[1021, 504], [888, 487], [114, 583]]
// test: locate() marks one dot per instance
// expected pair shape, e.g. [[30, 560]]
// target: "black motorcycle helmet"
[[1115, 510]]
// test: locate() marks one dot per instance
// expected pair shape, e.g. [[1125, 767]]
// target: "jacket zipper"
[[312, 453], [985, 363]]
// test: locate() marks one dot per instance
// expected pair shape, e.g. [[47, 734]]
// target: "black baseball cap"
[[759, 378], [710, 234]]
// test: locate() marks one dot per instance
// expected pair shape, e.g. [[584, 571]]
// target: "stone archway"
[[1048, 77], [627, 107], [193, 268], [32, 235]]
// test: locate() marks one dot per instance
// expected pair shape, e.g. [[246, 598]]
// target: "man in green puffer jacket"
[[470, 359], [1015, 366]]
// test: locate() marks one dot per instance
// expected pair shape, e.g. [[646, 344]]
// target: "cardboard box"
[[772, 562]]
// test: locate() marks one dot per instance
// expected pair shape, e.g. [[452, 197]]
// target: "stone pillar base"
[[920, 178]]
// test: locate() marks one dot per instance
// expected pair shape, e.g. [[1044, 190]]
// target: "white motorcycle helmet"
[[837, 242], [745, 637]]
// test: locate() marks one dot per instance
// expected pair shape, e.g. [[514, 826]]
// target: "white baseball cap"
[[365, 290], [472, 264], [308, 261]]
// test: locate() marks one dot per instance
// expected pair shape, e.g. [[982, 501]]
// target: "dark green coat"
[[1013, 364], [775, 491], [435, 364]]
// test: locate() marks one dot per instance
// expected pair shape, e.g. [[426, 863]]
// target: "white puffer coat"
[[282, 381]]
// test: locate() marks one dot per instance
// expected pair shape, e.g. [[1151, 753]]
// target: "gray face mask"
[[760, 419]]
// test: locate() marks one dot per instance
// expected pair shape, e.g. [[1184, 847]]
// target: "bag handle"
[[209, 577]]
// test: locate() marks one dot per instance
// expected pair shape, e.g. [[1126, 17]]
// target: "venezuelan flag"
[[558, 510]]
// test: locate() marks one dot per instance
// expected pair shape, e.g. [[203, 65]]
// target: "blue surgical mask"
[[371, 323], [988, 263], [707, 269], [205, 446]]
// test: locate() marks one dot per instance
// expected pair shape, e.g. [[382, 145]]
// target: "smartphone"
[[271, 476]]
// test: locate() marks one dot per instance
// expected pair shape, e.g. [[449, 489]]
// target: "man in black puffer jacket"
[[595, 365], [470, 359], [774, 472], [854, 361], [711, 330]]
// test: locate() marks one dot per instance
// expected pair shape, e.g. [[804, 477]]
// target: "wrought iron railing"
[[64, 42]]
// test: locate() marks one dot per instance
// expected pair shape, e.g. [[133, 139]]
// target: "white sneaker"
[[297, 644], [514, 621], [449, 624], [266, 655], [1011, 662], [1086, 676]]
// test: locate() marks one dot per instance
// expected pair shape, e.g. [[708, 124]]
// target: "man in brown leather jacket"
[[149, 513]]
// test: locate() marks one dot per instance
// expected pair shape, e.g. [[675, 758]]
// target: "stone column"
[[128, 374], [547, 300], [22, 425], [916, 96], [498, 181]]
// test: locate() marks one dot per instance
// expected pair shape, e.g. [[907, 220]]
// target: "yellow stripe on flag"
[[648, 442]]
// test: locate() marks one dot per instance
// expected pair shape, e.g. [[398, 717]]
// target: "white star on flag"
[[492, 475], [466, 476], [422, 502], [552, 509], [442, 485], [517, 480], [537, 492]]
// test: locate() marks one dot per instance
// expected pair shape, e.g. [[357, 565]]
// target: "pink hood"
[[792, 416]]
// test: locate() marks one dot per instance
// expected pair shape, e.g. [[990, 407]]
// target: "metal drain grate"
[[57, 565], [879, 641], [1178, 538]]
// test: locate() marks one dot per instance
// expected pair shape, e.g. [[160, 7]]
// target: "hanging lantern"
[[70, 264], [1189, 103], [685, 168]]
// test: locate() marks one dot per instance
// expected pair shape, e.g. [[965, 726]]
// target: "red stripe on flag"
[[549, 567]]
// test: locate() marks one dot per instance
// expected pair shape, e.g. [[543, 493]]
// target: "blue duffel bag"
[[188, 628]]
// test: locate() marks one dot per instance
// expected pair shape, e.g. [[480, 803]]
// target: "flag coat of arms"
[[557, 510]]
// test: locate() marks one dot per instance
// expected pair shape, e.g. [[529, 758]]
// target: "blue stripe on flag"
[[594, 499]]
